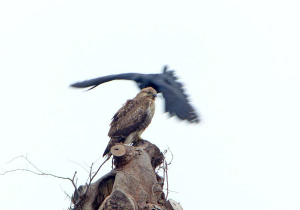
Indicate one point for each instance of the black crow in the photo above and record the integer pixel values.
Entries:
(176, 101)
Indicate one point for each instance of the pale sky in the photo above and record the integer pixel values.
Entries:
(239, 61)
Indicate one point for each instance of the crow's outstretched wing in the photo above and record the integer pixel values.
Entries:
(176, 101)
(100, 80)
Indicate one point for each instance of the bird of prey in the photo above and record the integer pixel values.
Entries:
(176, 101)
(132, 119)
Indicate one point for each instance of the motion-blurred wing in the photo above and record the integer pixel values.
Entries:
(177, 103)
(171, 79)
(100, 80)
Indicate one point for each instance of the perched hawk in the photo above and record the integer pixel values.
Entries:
(176, 101)
(132, 119)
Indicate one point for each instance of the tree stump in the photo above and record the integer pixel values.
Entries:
(131, 185)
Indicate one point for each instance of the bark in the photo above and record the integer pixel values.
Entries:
(131, 185)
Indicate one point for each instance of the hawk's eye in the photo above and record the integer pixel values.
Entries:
(149, 92)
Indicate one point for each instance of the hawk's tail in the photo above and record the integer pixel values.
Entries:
(107, 150)
(112, 142)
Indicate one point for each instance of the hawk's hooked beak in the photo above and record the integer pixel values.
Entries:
(155, 95)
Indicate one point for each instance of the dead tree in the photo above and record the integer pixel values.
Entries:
(131, 185)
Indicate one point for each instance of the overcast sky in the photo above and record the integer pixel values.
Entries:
(239, 61)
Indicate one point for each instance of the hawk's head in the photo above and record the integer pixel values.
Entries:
(148, 92)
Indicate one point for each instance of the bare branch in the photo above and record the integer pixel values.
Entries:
(167, 179)
(171, 190)
(32, 164)
(41, 173)
(67, 195)
(172, 156)
(99, 169)
(79, 165)
(86, 164)
(14, 159)
(90, 174)
(74, 184)
(98, 159)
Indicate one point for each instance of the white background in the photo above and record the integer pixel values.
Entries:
(239, 61)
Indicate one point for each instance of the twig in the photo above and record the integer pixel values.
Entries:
(73, 180)
(167, 179)
(171, 190)
(98, 159)
(165, 170)
(14, 159)
(41, 173)
(32, 164)
(90, 173)
(98, 170)
(171, 158)
(79, 165)
(86, 164)
(67, 195)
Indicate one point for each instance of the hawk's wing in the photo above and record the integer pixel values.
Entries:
(100, 80)
(128, 118)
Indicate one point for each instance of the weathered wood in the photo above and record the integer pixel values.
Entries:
(119, 200)
(154, 153)
(118, 150)
(132, 184)
(173, 205)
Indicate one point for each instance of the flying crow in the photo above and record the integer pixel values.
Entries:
(176, 101)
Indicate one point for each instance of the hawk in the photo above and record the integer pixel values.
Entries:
(132, 119)
(176, 101)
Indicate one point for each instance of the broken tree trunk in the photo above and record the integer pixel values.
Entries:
(131, 185)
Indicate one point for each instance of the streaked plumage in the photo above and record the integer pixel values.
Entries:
(176, 101)
(132, 119)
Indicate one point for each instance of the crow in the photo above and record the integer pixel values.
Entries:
(176, 101)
